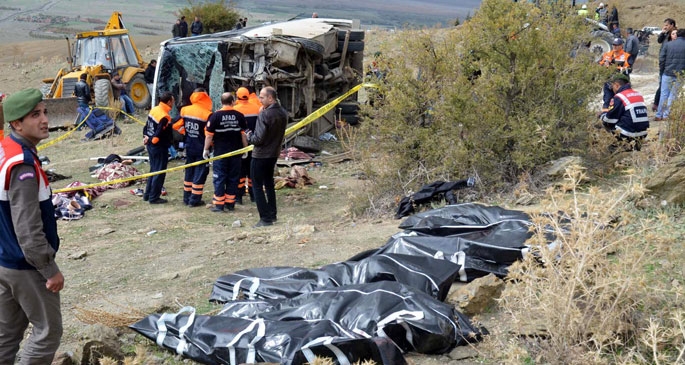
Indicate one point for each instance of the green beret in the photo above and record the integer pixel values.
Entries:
(620, 76)
(19, 104)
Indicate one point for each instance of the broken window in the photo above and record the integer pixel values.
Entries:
(185, 67)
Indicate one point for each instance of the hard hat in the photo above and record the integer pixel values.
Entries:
(601, 5)
(617, 42)
(583, 6)
(242, 93)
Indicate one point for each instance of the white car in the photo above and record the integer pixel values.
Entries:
(652, 30)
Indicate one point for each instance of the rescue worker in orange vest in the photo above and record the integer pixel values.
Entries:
(193, 122)
(627, 115)
(250, 111)
(618, 58)
(157, 137)
(254, 99)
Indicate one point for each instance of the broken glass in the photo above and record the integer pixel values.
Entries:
(185, 67)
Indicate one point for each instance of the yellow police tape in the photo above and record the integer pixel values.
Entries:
(304, 122)
(73, 130)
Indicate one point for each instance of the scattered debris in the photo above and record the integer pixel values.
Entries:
(78, 255)
(304, 229)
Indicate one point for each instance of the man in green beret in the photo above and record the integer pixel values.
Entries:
(30, 280)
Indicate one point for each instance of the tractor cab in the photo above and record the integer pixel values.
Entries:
(113, 52)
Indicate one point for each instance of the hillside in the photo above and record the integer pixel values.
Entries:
(24, 20)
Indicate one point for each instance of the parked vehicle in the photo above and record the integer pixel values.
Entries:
(97, 53)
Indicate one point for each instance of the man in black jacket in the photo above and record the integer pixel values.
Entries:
(267, 139)
(196, 27)
(627, 115)
(150, 75)
(183, 27)
(671, 65)
(82, 91)
(663, 38)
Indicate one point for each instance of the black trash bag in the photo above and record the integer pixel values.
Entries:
(437, 190)
(413, 320)
(461, 218)
(429, 275)
(225, 340)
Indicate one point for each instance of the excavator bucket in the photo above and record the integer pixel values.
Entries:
(62, 112)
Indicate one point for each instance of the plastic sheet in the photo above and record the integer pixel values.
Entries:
(225, 340)
(429, 275)
(414, 321)
(461, 218)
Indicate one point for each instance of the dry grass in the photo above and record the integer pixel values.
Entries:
(593, 298)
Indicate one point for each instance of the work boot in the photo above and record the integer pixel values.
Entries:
(217, 209)
(230, 206)
(262, 223)
(158, 201)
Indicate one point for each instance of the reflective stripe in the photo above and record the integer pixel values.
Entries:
(631, 134)
(328, 342)
(399, 318)
(261, 329)
(253, 287)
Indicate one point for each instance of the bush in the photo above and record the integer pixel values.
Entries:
(216, 16)
(495, 97)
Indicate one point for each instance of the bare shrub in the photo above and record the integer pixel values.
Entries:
(591, 298)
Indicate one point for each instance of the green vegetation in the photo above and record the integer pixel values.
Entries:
(216, 16)
(494, 98)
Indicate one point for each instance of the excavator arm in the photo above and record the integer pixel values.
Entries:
(115, 21)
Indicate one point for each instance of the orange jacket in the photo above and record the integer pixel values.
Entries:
(618, 58)
(250, 110)
(254, 99)
(193, 121)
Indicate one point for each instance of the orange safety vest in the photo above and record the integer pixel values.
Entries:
(618, 58)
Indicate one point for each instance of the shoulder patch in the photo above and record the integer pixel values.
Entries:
(26, 176)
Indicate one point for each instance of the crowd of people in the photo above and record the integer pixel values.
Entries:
(180, 28)
(242, 120)
(624, 111)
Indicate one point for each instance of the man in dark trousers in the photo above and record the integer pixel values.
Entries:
(82, 91)
(196, 27)
(150, 75)
(226, 131)
(627, 115)
(176, 29)
(30, 280)
(250, 111)
(194, 118)
(183, 27)
(157, 136)
(632, 46)
(267, 139)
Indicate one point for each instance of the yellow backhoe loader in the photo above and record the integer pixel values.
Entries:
(99, 54)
